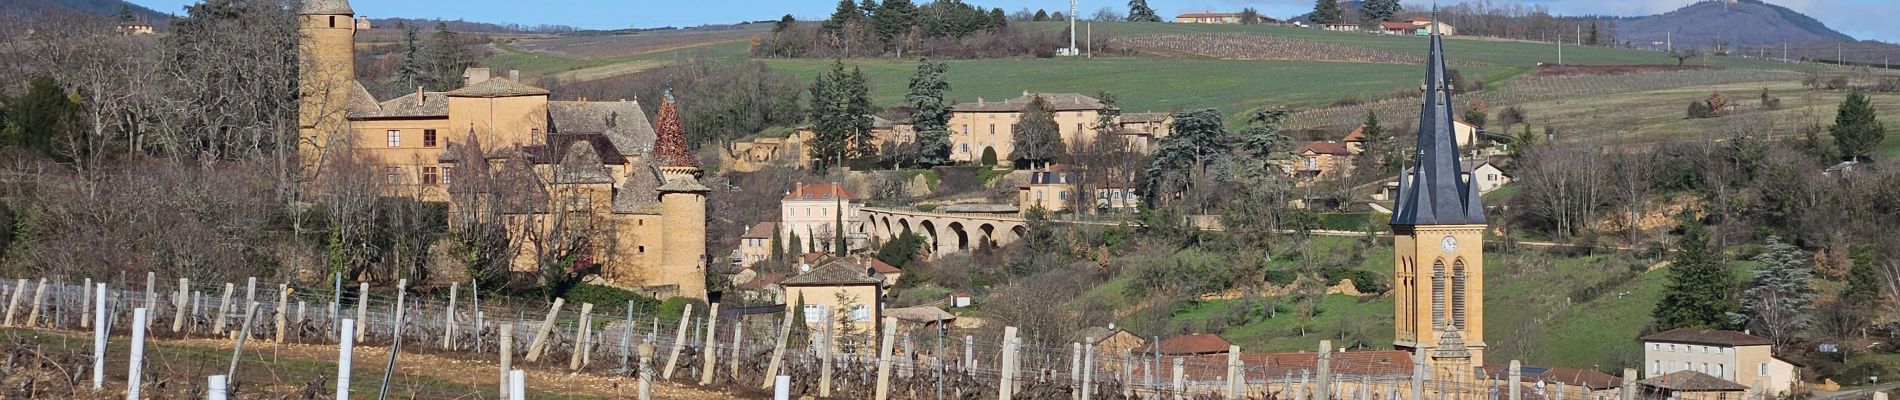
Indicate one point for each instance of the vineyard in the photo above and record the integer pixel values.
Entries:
(1534, 89)
(598, 47)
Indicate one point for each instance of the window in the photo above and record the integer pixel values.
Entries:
(1078, 126)
(1761, 369)
(333, 21)
(428, 175)
(1656, 368)
(643, 249)
(1721, 371)
(428, 138)
(393, 174)
(1063, 195)
(966, 147)
(860, 312)
(815, 312)
(447, 173)
(395, 138)
(992, 129)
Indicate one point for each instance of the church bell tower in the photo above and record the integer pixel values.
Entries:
(1438, 234)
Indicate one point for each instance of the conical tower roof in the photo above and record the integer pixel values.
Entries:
(669, 147)
(326, 7)
(1435, 194)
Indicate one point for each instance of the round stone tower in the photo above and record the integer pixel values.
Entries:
(327, 70)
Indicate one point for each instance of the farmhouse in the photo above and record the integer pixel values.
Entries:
(591, 178)
(989, 126)
(841, 293)
(757, 244)
(1417, 26)
(1322, 160)
(1724, 355)
(1208, 18)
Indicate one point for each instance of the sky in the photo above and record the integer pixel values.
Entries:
(1862, 19)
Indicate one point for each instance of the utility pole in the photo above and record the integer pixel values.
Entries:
(1560, 51)
(1670, 41)
(1072, 27)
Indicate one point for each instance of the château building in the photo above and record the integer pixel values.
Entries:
(568, 181)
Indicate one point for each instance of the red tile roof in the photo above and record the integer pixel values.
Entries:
(1196, 344)
(1691, 381)
(1398, 25)
(762, 230)
(1325, 147)
(1266, 366)
(1708, 337)
(819, 191)
(882, 267)
(1588, 378)
(1357, 135)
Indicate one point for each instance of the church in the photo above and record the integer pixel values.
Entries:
(572, 183)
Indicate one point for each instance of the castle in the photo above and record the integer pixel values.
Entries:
(571, 183)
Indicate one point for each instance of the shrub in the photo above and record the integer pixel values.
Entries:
(989, 156)
(1699, 109)
(671, 309)
(607, 298)
(1281, 277)
(1836, 83)
(926, 207)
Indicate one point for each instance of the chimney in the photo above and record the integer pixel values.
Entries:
(514, 75)
(472, 76)
(979, 100)
(419, 94)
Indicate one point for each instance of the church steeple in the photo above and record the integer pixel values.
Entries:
(1436, 195)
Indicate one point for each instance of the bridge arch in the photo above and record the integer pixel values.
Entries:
(962, 236)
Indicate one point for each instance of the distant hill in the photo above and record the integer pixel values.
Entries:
(467, 26)
(31, 10)
(1738, 23)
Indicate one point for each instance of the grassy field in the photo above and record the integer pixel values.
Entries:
(534, 65)
(1652, 116)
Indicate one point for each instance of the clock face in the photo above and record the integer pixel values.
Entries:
(1449, 244)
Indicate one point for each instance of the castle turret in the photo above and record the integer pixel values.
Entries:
(682, 206)
(327, 71)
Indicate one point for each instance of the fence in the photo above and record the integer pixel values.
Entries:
(282, 342)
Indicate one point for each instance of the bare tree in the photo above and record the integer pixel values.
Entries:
(1563, 187)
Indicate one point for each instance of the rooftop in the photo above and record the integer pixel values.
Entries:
(1203, 343)
(498, 87)
(326, 7)
(1057, 101)
(1691, 381)
(1708, 337)
(762, 230)
(819, 191)
(920, 314)
(836, 272)
(1324, 147)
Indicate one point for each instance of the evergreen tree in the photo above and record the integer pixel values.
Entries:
(801, 330)
(42, 118)
(1592, 39)
(1779, 295)
(1138, 11)
(1377, 153)
(796, 247)
(847, 12)
(930, 114)
(1857, 131)
(901, 250)
(125, 13)
(778, 245)
(1380, 10)
(868, 8)
(839, 242)
(409, 71)
(1036, 139)
(998, 19)
(1701, 290)
(858, 104)
(893, 20)
(1200, 145)
(1863, 281)
(1326, 12)
(785, 22)
(840, 117)
(1040, 248)
(1041, 15)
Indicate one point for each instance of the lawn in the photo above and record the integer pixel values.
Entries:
(1142, 83)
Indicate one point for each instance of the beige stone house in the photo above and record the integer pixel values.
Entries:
(562, 175)
(1728, 355)
(842, 293)
(1691, 385)
(990, 125)
(1322, 160)
(756, 244)
(1208, 18)
(812, 212)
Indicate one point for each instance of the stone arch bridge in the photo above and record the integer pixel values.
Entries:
(944, 233)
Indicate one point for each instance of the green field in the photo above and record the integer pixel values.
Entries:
(538, 64)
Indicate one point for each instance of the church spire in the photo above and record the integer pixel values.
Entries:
(1436, 195)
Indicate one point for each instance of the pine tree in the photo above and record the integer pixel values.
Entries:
(125, 13)
(1138, 11)
(1780, 293)
(1040, 246)
(1863, 280)
(930, 114)
(893, 20)
(778, 246)
(796, 248)
(839, 242)
(42, 119)
(1592, 40)
(801, 330)
(447, 56)
(1036, 138)
(1857, 131)
(1380, 10)
(840, 117)
(1326, 12)
(1701, 291)
(998, 19)
(858, 106)
(409, 71)
(847, 12)
(1041, 15)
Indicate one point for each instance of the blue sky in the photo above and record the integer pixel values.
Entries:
(1863, 19)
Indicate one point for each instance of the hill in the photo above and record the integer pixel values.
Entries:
(467, 26)
(30, 10)
(1741, 23)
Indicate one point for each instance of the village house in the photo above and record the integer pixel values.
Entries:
(989, 126)
(1737, 357)
(756, 244)
(580, 176)
(1208, 18)
(1465, 134)
(1417, 26)
(1048, 189)
(753, 154)
(1690, 385)
(812, 212)
(1322, 160)
(841, 293)
(1142, 132)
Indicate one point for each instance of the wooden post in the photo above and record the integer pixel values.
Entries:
(679, 343)
(824, 353)
(250, 298)
(1075, 370)
(1128, 375)
(1516, 376)
(738, 332)
(507, 352)
(85, 304)
(151, 297)
(135, 368)
(1878, 395)
(184, 297)
(1088, 368)
(301, 307)
(884, 359)
(448, 318)
(362, 310)
(1233, 372)
(1365, 387)
(581, 338)
(283, 310)
(224, 311)
(197, 300)
(778, 346)
(1006, 386)
(646, 367)
(710, 351)
(1323, 389)
(541, 333)
(1629, 384)
(969, 354)
(1560, 391)
(1180, 379)
(39, 302)
(14, 304)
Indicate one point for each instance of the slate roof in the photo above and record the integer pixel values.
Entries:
(1129, 118)
(327, 7)
(498, 87)
(433, 104)
(361, 102)
(1708, 337)
(1691, 381)
(640, 193)
(1057, 101)
(1324, 147)
(837, 272)
(580, 162)
(623, 122)
(1437, 195)
(1099, 333)
(561, 145)
(920, 314)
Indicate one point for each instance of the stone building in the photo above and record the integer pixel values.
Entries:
(581, 182)
(813, 212)
(991, 125)
(1738, 357)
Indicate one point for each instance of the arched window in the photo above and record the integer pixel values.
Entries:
(1458, 294)
(1438, 295)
